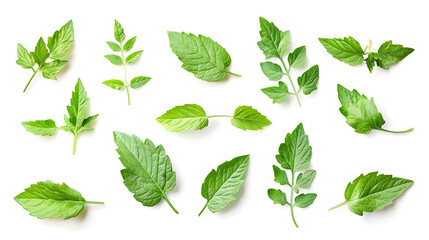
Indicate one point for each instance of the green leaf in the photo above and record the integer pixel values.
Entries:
(272, 70)
(373, 192)
(25, 59)
(361, 112)
(129, 44)
(278, 94)
(133, 57)
(51, 200)
(247, 118)
(304, 180)
(51, 68)
(119, 32)
(278, 196)
(87, 123)
(148, 172)
(392, 53)
(115, 47)
(347, 50)
(40, 53)
(183, 118)
(115, 59)
(305, 200)
(139, 81)
(221, 185)
(274, 42)
(59, 44)
(295, 153)
(280, 176)
(202, 56)
(370, 61)
(78, 106)
(297, 58)
(41, 127)
(308, 80)
(114, 84)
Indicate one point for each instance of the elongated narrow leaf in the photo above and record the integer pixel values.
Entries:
(272, 70)
(40, 53)
(59, 44)
(278, 196)
(391, 54)
(115, 59)
(183, 118)
(119, 32)
(297, 58)
(278, 94)
(305, 200)
(139, 81)
(148, 172)
(129, 44)
(309, 79)
(200, 55)
(41, 127)
(347, 50)
(133, 57)
(115, 47)
(78, 105)
(114, 84)
(247, 118)
(221, 185)
(25, 59)
(373, 192)
(274, 42)
(51, 200)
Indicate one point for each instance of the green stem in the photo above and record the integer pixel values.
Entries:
(339, 205)
(404, 131)
(125, 75)
(204, 208)
(237, 75)
(369, 47)
(91, 202)
(169, 203)
(213, 116)
(290, 79)
(291, 199)
(74, 144)
(26, 86)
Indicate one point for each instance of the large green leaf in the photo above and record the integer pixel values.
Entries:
(247, 118)
(347, 50)
(221, 185)
(41, 127)
(391, 54)
(59, 44)
(200, 55)
(50, 200)
(274, 42)
(373, 192)
(148, 172)
(183, 118)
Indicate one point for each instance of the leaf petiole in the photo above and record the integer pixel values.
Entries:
(339, 205)
(74, 143)
(91, 202)
(237, 75)
(213, 116)
(404, 131)
(291, 204)
(204, 208)
(169, 203)
(290, 79)
(34, 74)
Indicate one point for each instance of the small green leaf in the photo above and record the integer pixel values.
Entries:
(308, 80)
(183, 118)
(115, 47)
(370, 61)
(51, 68)
(304, 180)
(278, 94)
(119, 32)
(280, 176)
(60, 43)
(272, 70)
(129, 44)
(41, 127)
(139, 81)
(87, 124)
(115, 59)
(278, 196)
(274, 42)
(133, 57)
(392, 53)
(114, 84)
(305, 200)
(247, 118)
(40, 53)
(297, 58)
(347, 50)
(25, 59)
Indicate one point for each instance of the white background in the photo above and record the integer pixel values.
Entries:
(339, 154)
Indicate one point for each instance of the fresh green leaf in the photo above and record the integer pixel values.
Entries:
(370, 61)
(129, 44)
(280, 176)
(200, 55)
(183, 118)
(115, 59)
(273, 71)
(25, 59)
(392, 53)
(304, 180)
(115, 47)
(148, 172)
(51, 200)
(41, 127)
(278, 94)
(373, 192)
(59, 44)
(40, 53)
(274, 42)
(114, 84)
(51, 68)
(247, 118)
(133, 57)
(221, 185)
(308, 80)
(347, 50)
(297, 58)
(278, 196)
(305, 200)
(119, 32)
(139, 81)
